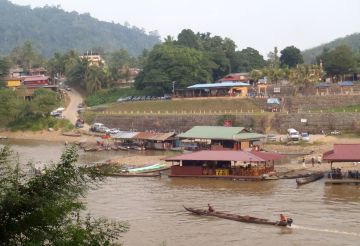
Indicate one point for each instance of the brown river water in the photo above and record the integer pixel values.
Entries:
(323, 215)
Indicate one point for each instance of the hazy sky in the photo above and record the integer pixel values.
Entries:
(261, 24)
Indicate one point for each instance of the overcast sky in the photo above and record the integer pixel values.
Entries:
(261, 24)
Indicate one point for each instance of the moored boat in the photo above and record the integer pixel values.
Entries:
(311, 178)
(240, 218)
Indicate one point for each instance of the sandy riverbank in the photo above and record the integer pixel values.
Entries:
(55, 136)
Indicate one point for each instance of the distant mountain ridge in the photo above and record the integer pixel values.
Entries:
(353, 41)
(51, 30)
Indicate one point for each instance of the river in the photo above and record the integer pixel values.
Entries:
(323, 215)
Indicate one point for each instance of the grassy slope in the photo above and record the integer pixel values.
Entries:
(188, 105)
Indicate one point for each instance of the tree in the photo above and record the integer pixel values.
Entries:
(45, 209)
(117, 62)
(291, 56)
(25, 56)
(189, 39)
(95, 79)
(248, 59)
(4, 70)
(169, 62)
(4, 67)
(43, 102)
(339, 61)
(273, 58)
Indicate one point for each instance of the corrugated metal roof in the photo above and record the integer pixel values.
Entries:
(346, 83)
(218, 85)
(323, 85)
(156, 136)
(125, 135)
(220, 155)
(343, 153)
(212, 132)
(248, 136)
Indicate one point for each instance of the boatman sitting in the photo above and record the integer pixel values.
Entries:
(210, 210)
(283, 218)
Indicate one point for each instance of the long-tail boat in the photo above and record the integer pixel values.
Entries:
(313, 177)
(240, 218)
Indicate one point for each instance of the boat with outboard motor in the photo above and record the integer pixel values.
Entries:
(240, 218)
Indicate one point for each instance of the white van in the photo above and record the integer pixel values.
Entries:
(293, 135)
(96, 126)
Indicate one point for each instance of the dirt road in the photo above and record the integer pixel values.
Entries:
(70, 112)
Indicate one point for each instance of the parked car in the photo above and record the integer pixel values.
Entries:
(271, 138)
(335, 132)
(79, 123)
(95, 127)
(81, 110)
(113, 131)
(293, 135)
(103, 129)
(67, 88)
(305, 136)
(55, 113)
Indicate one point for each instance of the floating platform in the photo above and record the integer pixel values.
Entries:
(343, 181)
(228, 177)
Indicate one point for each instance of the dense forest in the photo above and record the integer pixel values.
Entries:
(51, 29)
(353, 41)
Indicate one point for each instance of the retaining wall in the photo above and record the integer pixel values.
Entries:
(279, 122)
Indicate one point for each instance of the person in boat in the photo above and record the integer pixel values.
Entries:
(210, 209)
(283, 218)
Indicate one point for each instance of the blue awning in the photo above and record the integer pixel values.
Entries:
(346, 83)
(218, 85)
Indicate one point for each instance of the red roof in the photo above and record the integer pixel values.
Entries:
(235, 77)
(343, 153)
(35, 78)
(224, 155)
(269, 156)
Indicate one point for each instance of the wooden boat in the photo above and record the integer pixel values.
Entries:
(311, 178)
(296, 176)
(71, 134)
(133, 175)
(240, 218)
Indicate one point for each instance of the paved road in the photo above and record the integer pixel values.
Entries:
(70, 112)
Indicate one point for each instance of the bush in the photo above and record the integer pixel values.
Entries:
(38, 123)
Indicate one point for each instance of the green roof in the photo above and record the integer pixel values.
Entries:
(212, 132)
(248, 136)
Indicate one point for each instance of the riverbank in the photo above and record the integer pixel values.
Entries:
(53, 136)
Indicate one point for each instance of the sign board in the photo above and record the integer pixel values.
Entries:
(276, 89)
(303, 120)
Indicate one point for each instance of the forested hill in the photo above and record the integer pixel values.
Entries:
(352, 41)
(51, 29)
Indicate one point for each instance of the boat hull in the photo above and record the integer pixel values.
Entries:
(245, 219)
(311, 178)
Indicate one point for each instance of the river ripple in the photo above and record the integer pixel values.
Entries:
(323, 215)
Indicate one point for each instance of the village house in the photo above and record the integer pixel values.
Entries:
(219, 138)
(94, 59)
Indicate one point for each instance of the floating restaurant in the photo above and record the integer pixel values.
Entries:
(219, 138)
(225, 164)
(343, 153)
